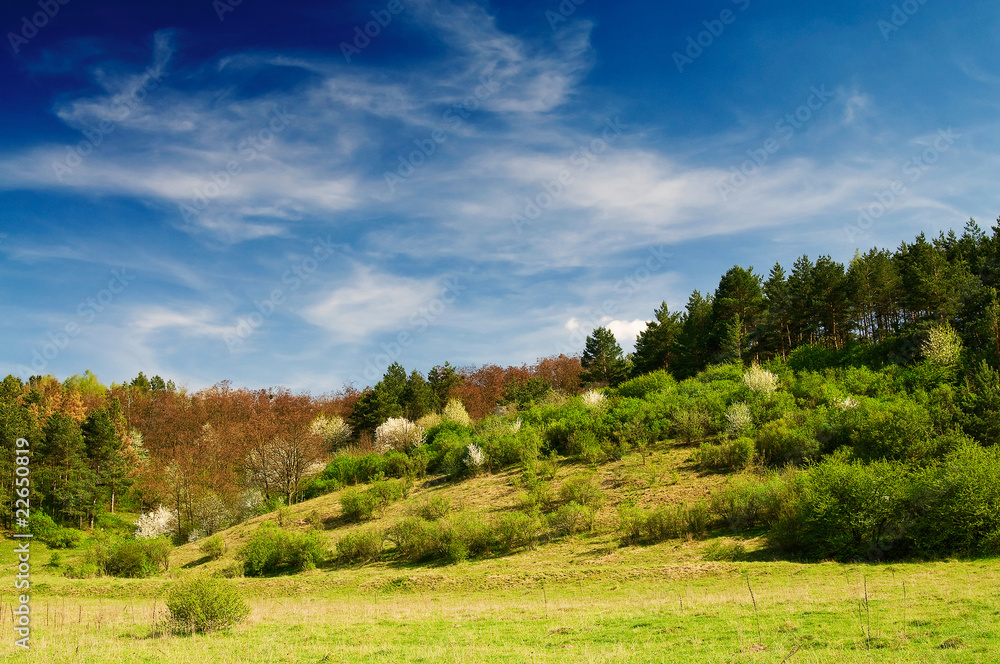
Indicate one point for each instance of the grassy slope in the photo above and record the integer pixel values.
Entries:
(576, 599)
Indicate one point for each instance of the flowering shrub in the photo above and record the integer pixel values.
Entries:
(157, 523)
(943, 346)
(760, 380)
(847, 403)
(455, 412)
(593, 398)
(398, 433)
(738, 419)
(474, 457)
(335, 432)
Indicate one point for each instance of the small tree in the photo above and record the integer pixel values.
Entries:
(603, 361)
(943, 346)
(203, 605)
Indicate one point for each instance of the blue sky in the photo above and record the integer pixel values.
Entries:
(263, 193)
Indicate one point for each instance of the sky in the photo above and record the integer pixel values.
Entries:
(301, 193)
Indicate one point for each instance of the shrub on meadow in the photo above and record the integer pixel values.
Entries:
(361, 546)
(205, 604)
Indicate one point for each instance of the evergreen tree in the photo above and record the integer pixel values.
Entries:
(603, 361)
(443, 381)
(773, 335)
(692, 348)
(655, 346)
(738, 297)
(418, 398)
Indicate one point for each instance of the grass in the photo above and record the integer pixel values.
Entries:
(576, 599)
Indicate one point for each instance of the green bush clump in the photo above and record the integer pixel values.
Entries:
(787, 441)
(847, 510)
(55, 536)
(655, 381)
(516, 530)
(733, 454)
(213, 547)
(583, 490)
(434, 508)
(272, 549)
(129, 558)
(347, 469)
(638, 526)
(895, 428)
(507, 444)
(205, 604)
(363, 546)
(748, 502)
(359, 505)
(570, 519)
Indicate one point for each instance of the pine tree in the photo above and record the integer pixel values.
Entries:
(603, 360)
(655, 346)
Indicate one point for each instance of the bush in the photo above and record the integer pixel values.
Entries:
(203, 605)
(213, 547)
(571, 519)
(434, 509)
(454, 411)
(847, 511)
(129, 558)
(363, 546)
(738, 419)
(156, 523)
(272, 549)
(515, 530)
(896, 428)
(786, 441)
(690, 424)
(760, 380)
(583, 490)
(358, 505)
(729, 455)
(415, 540)
(655, 381)
(636, 526)
(335, 432)
(398, 433)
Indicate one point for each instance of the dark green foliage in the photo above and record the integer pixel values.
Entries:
(603, 361)
(656, 346)
(525, 393)
(272, 549)
(895, 428)
(847, 510)
(44, 528)
(347, 469)
(204, 605)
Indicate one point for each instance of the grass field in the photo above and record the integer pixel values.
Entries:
(578, 599)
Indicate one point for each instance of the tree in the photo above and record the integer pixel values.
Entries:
(443, 381)
(418, 398)
(103, 457)
(738, 297)
(692, 342)
(772, 335)
(603, 361)
(655, 346)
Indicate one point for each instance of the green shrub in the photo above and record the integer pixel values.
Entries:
(128, 558)
(357, 505)
(362, 546)
(204, 604)
(957, 504)
(433, 509)
(583, 490)
(571, 519)
(663, 523)
(585, 444)
(213, 547)
(516, 530)
(895, 428)
(690, 424)
(786, 441)
(271, 549)
(55, 536)
(476, 535)
(847, 510)
(728, 551)
(728, 455)
(655, 381)
(415, 540)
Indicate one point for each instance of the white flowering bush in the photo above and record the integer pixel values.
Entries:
(474, 457)
(738, 419)
(398, 433)
(760, 380)
(252, 503)
(157, 523)
(847, 403)
(335, 432)
(943, 346)
(454, 411)
(593, 398)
